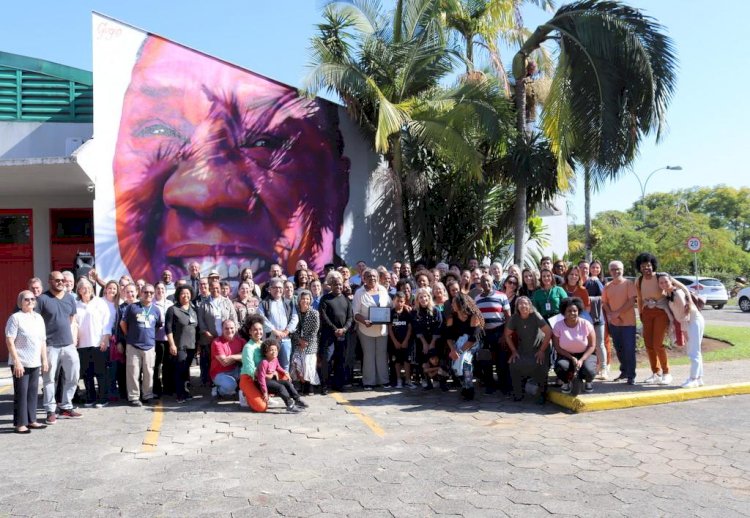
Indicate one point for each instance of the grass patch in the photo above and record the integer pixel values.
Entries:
(739, 337)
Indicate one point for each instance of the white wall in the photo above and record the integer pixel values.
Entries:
(40, 206)
(40, 139)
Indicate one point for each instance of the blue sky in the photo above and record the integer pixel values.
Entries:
(708, 121)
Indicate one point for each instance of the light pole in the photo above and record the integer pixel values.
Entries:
(644, 183)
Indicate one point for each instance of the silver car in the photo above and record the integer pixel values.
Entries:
(709, 289)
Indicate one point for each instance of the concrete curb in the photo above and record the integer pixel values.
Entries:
(584, 403)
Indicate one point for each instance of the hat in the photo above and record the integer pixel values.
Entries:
(214, 273)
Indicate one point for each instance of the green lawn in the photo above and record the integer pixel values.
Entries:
(739, 337)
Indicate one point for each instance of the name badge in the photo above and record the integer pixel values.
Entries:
(147, 323)
(192, 321)
(548, 307)
(141, 318)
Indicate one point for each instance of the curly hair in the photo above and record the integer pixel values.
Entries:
(267, 344)
(646, 257)
(467, 305)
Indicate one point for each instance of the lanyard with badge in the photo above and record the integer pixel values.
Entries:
(548, 304)
(143, 317)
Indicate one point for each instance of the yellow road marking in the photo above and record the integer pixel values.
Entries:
(151, 439)
(369, 422)
(5, 389)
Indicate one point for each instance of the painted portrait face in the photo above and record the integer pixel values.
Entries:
(218, 166)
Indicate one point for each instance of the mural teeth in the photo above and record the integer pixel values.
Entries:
(254, 264)
(234, 270)
(222, 268)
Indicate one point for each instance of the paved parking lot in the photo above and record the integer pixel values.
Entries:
(390, 453)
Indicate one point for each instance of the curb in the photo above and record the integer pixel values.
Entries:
(579, 404)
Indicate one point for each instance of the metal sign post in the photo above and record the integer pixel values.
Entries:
(694, 244)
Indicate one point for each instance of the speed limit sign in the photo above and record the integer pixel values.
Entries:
(694, 244)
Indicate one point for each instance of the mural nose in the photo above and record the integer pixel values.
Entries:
(205, 190)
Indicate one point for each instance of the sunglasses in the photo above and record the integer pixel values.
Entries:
(29, 299)
(148, 292)
(58, 280)
(511, 282)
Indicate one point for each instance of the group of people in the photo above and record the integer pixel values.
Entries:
(300, 334)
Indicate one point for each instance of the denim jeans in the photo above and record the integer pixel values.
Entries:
(285, 353)
(623, 338)
(67, 358)
(226, 382)
(694, 333)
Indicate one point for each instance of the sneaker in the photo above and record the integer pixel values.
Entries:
(301, 403)
(292, 409)
(135, 403)
(89, 405)
(690, 383)
(666, 379)
(70, 414)
(101, 404)
(588, 387)
(424, 383)
(565, 388)
(410, 385)
(51, 418)
(367, 387)
(599, 375)
(621, 377)
(275, 402)
(654, 379)
(214, 392)
(700, 382)
(399, 384)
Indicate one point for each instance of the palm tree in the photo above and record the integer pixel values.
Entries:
(387, 69)
(614, 78)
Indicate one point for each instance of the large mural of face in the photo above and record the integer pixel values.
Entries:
(220, 166)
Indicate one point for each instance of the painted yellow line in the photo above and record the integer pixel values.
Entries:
(656, 397)
(151, 439)
(369, 422)
(5, 389)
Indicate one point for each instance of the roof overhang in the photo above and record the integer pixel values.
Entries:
(53, 176)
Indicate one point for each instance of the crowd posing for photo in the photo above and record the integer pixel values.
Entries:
(406, 326)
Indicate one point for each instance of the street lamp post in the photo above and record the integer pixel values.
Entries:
(644, 183)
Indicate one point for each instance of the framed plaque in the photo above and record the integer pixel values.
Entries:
(378, 315)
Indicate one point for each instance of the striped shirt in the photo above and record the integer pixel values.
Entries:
(493, 308)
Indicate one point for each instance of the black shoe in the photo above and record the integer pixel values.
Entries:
(444, 386)
(621, 377)
(135, 403)
(300, 403)
(517, 398)
(324, 391)
(631, 381)
(541, 398)
(293, 409)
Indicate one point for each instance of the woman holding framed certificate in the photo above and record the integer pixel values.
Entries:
(371, 307)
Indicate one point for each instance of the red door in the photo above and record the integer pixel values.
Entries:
(16, 262)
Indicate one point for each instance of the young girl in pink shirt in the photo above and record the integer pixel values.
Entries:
(269, 378)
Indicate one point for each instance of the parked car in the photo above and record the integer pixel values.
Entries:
(743, 299)
(709, 289)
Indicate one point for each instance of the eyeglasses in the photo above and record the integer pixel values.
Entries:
(29, 299)
(511, 282)
(147, 292)
(61, 279)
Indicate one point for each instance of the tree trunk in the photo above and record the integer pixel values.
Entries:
(519, 211)
(397, 166)
(587, 211)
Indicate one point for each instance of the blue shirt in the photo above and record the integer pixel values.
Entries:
(142, 323)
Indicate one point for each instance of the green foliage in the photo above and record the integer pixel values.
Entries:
(663, 226)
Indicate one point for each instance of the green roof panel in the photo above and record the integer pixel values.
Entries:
(38, 90)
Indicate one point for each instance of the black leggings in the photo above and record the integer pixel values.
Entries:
(284, 389)
(25, 396)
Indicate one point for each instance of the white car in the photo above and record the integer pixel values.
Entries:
(743, 299)
(709, 289)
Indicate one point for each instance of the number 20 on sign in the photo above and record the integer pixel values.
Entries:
(694, 244)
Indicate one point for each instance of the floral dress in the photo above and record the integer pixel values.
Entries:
(305, 361)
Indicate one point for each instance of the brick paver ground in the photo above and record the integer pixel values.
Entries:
(437, 456)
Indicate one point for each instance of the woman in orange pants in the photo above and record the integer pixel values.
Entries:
(652, 308)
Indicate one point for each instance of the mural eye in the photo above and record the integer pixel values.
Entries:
(159, 130)
(262, 142)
